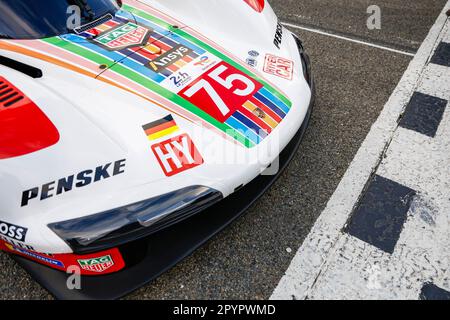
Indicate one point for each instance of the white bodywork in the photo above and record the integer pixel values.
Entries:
(99, 124)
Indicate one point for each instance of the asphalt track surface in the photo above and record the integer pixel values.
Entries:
(353, 82)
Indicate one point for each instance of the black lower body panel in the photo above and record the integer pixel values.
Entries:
(159, 252)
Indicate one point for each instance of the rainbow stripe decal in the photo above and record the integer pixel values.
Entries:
(146, 55)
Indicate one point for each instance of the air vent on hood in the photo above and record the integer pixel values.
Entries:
(21, 67)
(24, 128)
(9, 96)
(93, 24)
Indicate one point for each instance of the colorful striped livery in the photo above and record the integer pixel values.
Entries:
(259, 116)
(143, 53)
(160, 128)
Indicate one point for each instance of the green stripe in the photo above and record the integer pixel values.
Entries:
(136, 77)
(207, 47)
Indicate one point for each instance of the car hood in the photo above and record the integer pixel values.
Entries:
(116, 102)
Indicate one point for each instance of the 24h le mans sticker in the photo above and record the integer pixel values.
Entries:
(98, 265)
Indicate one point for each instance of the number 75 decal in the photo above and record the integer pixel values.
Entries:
(221, 91)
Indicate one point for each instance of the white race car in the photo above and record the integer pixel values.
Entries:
(133, 131)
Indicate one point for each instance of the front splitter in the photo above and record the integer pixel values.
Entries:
(166, 248)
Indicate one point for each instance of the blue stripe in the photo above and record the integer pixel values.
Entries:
(275, 100)
(86, 34)
(166, 40)
(193, 55)
(270, 105)
(123, 16)
(243, 129)
(250, 124)
(135, 56)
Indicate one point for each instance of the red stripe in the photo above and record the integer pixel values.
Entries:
(172, 68)
(187, 59)
(266, 109)
(93, 32)
(255, 119)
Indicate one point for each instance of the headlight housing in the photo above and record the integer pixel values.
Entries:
(122, 225)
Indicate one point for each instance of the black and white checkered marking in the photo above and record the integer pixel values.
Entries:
(424, 114)
(385, 233)
(442, 55)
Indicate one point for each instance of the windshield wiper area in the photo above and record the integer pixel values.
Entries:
(93, 24)
(4, 36)
(87, 11)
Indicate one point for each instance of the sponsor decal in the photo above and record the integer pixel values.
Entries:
(189, 73)
(75, 181)
(12, 231)
(123, 36)
(253, 53)
(171, 57)
(278, 40)
(221, 91)
(105, 262)
(280, 67)
(252, 62)
(97, 265)
(160, 128)
(15, 243)
(177, 155)
(203, 61)
(36, 256)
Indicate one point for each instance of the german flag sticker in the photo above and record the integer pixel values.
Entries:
(160, 128)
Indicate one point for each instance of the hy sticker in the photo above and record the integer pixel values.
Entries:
(177, 155)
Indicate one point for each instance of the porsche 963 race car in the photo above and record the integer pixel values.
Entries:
(131, 132)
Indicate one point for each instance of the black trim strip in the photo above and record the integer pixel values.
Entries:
(21, 67)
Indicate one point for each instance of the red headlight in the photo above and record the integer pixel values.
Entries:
(24, 128)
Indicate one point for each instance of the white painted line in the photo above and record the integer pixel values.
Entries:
(358, 270)
(347, 39)
(326, 237)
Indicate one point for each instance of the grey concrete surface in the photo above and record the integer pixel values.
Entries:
(353, 81)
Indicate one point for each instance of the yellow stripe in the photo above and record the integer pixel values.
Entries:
(153, 49)
(163, 133)
(267, 119)
(153, 65)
